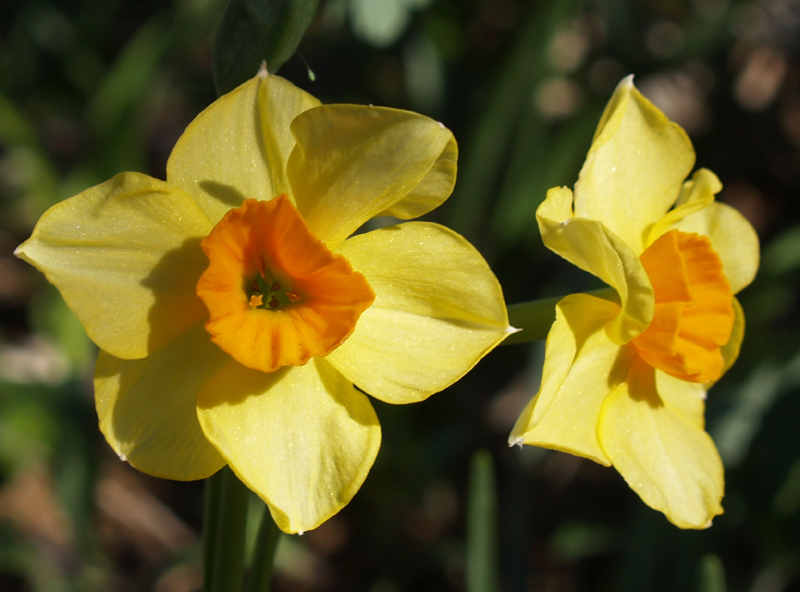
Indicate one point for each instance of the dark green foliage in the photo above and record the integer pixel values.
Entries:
(255, 31)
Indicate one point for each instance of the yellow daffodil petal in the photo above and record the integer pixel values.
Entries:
(635, 167)
(438, 310)
(433, 190)
(302, 438)
(148, 408)
(581, 368)
(125, 255)
(686, 398)
(237, 148)
(730, 351)
(664, 455)
(594, 248)
(734, 239)
(352, 163)
(697, 194)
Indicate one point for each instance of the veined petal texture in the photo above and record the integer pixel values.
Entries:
(148, 408)
(590, 245)
(303, 438)
(237, 148)
(734, 239)
(353, 163)
(635, 167)
(668, 459)
(438, 310)
(126, 256)
(581, 368)
(697, 194)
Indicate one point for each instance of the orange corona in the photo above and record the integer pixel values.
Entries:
(693, 314)
(276, 295)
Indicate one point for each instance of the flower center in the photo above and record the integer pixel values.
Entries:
(275, 294)
(264, 291)
(693, 314)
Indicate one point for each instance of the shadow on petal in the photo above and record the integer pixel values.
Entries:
(233, 384)
(147, 407)
(173, 282)
(242, 383)
(642, 384)
(621, 368)
(226, 194)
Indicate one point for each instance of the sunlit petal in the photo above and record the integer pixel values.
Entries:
(125, 255)
(432, 191)
(697, 194)
(664, 455)
(635, 167)
(302, 438)
(734, 239)
(438, 310)
(237, 148)
(685, 398)
(353, 162)
(581, 368)
(148, 408)
(592, 247)
(730, 351)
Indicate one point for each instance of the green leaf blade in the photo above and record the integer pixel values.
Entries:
(254, 31)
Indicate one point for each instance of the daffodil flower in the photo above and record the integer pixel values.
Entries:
(239, 318)
(625, 377)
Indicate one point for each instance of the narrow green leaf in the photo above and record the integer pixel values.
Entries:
(712, 574)
(264, 554)
(211, 520)
(127, 80)
(253, 31)
(224, 537)
(482, 525)
(558, 150)
(486, 153)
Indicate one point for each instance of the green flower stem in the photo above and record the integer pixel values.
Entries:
(210, 523)
(264, 554)
(482, 525)
(224, 537)
(535, 317)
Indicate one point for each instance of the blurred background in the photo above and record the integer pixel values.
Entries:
(89, 88)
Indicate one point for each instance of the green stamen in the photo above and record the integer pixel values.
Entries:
(263, 291)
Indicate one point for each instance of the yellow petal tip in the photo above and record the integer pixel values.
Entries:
(262, 69)
(512, 441)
